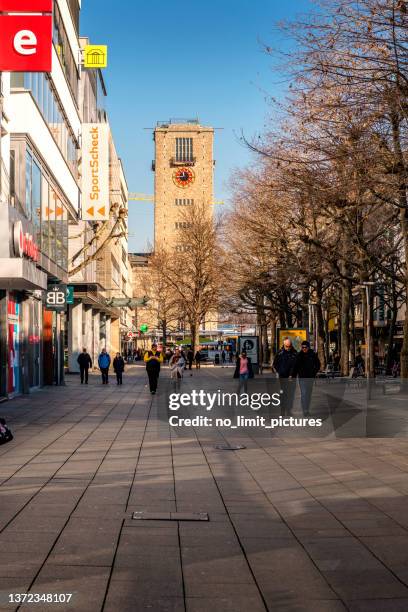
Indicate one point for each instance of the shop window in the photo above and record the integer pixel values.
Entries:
(36, 200)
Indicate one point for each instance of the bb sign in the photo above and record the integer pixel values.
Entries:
(56, 297)
(25, 40)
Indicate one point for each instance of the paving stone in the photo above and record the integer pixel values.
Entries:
(312, 515)
(225, 604)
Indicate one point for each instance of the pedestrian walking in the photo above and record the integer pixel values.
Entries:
(197, 359)
(153, 359)
(85, 362)
(306, 368)
(119, 367)
(104, 362)
(359, 366)
(177, 365)
(168, 355)
(243, 371)
(223, 358)
(284, 364)
(231, 355)
(190, 358)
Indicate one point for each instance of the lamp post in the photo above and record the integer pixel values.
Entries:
(368, 285)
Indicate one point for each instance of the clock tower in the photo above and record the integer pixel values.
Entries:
(183, 167)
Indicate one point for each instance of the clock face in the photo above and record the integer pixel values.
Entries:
(183, 177)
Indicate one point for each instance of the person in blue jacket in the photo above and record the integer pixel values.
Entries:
(104, 362)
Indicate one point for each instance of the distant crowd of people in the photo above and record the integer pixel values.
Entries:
(288, 364)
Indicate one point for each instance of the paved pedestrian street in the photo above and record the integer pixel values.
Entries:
(304, 524)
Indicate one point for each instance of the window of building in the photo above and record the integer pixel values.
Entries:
(45, 209)
(50, 107)
(184, 149)
(116, 276)
(182, 225)
(64, 52)
(184, 202)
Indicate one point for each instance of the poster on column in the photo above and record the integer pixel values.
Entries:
(95, 172)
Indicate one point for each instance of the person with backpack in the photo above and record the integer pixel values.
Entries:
(119, 367)
(153, 359)
(85, 362)
(306, 367)
(104, 362)
(283, 365)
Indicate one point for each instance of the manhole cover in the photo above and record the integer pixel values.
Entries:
(141, 515)
(230, 447)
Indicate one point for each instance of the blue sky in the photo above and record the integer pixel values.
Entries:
(185, 59)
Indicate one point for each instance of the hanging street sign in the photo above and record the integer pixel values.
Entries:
(95, 56)
(56, 298)
(70, 294)
(95, 172)
(127, 302)
(26, 40)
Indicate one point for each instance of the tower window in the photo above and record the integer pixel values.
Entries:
(184, 202)
(184, 149)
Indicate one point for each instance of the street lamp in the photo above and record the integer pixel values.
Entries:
(367, 285)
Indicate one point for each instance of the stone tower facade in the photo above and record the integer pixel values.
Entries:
(183, 168)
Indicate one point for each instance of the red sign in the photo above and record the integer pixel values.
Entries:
(24, 243)
(26, 6)
(25, 43)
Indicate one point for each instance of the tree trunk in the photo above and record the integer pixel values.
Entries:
(352, 329)
(345, 328)
(391, 332)
(404, 350)
(164, 332)
(321, 332)
(195, 335)
(273, 340)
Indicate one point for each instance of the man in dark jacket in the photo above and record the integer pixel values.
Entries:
(306, 367)
(119, 367)
(85, 362)
(284, 364)
(190, 358)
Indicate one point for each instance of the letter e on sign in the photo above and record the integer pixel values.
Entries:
(25, 43)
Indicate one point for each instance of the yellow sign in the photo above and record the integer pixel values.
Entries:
(296, 335)
(95, 56)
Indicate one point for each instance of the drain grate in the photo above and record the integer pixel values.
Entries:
(230, 447)
(141, 515)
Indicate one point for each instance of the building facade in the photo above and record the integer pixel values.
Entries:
(98, 251)
(40, 195)
(184, 176)
(184, 170)
(43, 241)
